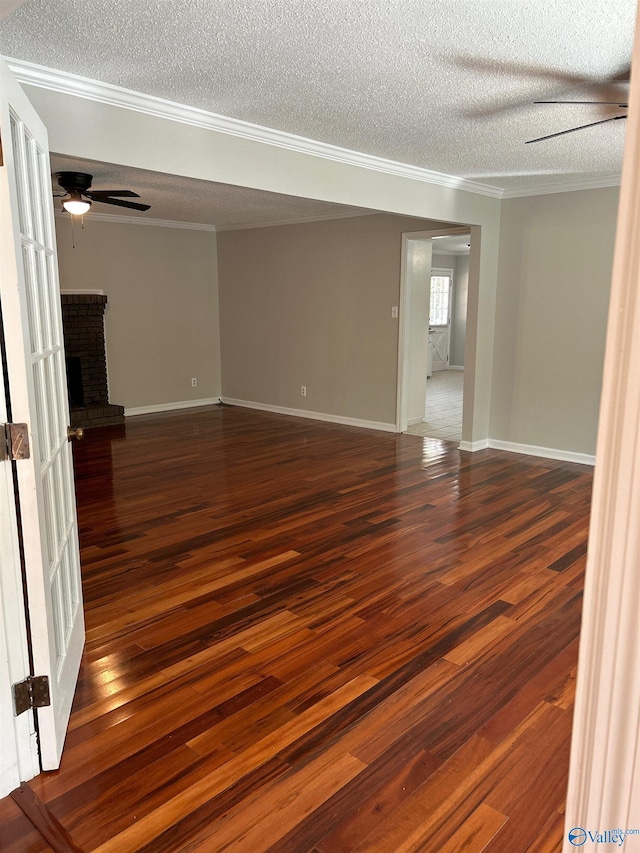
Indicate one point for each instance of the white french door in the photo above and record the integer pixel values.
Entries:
(35, 367)
(440, 318)
(439, 341)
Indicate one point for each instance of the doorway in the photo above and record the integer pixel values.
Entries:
(434, 303)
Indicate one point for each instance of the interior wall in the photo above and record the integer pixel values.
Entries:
(555, 261)
(161, 321)
(310, 304)
(117, 134)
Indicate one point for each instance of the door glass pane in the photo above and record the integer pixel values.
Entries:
(440, 298)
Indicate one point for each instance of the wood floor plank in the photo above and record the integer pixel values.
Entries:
(309, 637)
(476, 832)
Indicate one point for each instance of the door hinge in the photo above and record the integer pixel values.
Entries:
(33, 692)
(14, 441)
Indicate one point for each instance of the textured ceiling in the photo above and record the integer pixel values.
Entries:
(180, 199)
(446, 85)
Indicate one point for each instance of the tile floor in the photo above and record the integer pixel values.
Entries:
(443, 407)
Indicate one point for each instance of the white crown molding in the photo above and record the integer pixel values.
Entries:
(199, 226)
(568, 187)
(134, 220)
(106, 93)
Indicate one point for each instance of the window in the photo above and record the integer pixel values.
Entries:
(440, 305)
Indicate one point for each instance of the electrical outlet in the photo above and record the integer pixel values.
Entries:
(194, 382)
(394, 312)
(303, 390)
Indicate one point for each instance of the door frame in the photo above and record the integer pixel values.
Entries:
(604, 773)
(403, 337)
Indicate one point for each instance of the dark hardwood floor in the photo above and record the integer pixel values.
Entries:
(307, 637)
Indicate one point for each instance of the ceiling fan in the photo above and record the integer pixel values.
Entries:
(621, 106)
(616, 81)
(76, 186)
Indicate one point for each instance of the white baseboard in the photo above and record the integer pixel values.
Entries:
(170, 407)
(528, 450)
(468, 446)
(456, 367)
(545, 452)
(472, 446)
(414, 421)
(315, 416)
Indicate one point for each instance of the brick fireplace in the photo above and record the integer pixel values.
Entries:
(83, 327)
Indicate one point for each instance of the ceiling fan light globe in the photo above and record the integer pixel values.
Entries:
(76, 206)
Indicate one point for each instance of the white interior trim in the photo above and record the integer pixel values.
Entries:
(544, 452)
(563, 187)
(135, 220)
(201, 226)
(170, 407)
(450, 231)
(106, 93)
(473, 446)
(314, 416)
(604, 777)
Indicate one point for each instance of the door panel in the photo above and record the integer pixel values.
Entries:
(30, 296)
(439, 340)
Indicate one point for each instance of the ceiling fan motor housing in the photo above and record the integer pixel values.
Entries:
(74, 181)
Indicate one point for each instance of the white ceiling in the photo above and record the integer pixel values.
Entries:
(456, 244)
(177, 199)
(446, 85)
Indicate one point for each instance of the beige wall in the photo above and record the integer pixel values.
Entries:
(553, 290)
(109, 133)
(310, 304)
(161, 321)
(516, 405)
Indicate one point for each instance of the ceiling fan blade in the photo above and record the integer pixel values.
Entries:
(609, 87)
(603, 103)
(573, 129)
(623, 76)
(130, 204)
(98, 194)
